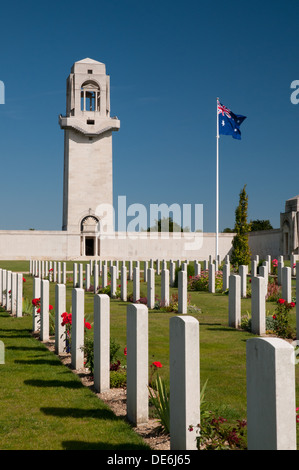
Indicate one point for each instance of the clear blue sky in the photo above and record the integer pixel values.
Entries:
(168, 61)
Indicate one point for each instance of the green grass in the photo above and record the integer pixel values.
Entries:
(44, 406)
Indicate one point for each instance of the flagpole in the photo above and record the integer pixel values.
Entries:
(217, 186)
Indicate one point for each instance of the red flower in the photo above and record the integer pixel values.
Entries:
(24, 280)
(50, 307)
(38, 310)
(87, 325)
(281, 301)
(292, 304)
(157, 364)
(274, 317)
(125, 351)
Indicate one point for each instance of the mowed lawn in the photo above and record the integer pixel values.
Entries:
(43, 404)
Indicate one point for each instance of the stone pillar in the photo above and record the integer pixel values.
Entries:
(263, 271)
(124, 283)
(130, 270)
(87, 276)
(13, 293)
(151, 288)
(3, 293)
(19, 298)
(80, 283)
(158, 267)
(95, 277)
(258, 305)
(280, 265)
(44, 311)
(165, 287)
(136, 284)
(36, 295)
(75, 275)
(286, 281)
(271, 401)
(8, 288)
(113, 281)
(137, 363)
(243, 270)
(145, 268)
(77, 355)
(60, 307)
(104, 275)
(225, 276)
(101, 342)
(212, 278)
(59, 272)
(63, 273)
(172, 273)
(184, 375)
(182, 292)
(234, 301)
(253, 268)
(197, 268)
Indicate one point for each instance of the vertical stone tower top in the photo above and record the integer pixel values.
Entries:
(88, 99)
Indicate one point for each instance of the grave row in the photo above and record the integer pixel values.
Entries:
(270, 370)
(11, 291)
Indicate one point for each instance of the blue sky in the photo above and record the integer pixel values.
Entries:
(168, 61)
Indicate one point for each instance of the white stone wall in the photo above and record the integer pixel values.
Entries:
(140, 245)
(265, 242)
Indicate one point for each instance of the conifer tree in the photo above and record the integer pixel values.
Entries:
(241, 251)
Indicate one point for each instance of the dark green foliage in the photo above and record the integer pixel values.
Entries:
(257, 225)
(241, 251)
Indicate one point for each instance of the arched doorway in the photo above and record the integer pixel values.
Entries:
(89, 236)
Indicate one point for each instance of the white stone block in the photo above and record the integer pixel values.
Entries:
(182, 292)
(44, 311)
(258, 305)
(101, 342)
(60, 308)
(137, 363)
(77, 354)
(184, 375)
(234, 301)
(271, 401)
(151, 288)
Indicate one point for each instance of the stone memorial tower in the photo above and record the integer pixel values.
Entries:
(88, 128)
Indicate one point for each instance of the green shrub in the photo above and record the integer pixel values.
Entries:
(118, 378)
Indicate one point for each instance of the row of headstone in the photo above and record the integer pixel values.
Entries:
(11, 292)
(270, 374)
(259, 285)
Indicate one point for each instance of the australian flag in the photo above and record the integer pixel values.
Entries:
(229, 123)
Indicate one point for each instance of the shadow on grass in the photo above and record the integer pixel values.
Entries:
(49, 362)
(53, 383)
(101, 414)
(8, 333)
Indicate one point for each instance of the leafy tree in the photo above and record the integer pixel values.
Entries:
(257, 225)
(166, 225)
(241, 251)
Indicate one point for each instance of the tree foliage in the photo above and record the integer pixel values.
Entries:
(257, 225)
(241, 251)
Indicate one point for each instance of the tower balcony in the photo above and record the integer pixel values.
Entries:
(89, 126)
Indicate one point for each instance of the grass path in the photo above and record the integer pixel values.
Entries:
(43, 404)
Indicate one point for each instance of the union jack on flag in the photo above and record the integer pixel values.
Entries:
(229, 123)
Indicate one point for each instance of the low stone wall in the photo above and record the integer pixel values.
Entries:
(265, 242)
